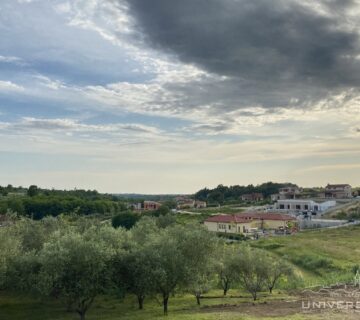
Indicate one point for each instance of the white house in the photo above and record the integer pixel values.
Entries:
(299, 205)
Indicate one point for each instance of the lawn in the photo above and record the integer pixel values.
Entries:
(182, 307)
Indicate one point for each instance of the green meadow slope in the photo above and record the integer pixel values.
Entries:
(321, 256)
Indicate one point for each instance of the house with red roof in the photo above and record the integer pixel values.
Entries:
(246, 222)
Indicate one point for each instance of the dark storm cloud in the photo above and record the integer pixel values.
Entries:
(271, 44)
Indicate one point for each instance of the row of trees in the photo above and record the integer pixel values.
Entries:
(222, 194)
(39, 206)
(78, 262)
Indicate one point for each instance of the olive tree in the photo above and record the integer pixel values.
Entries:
(10, 247)
(252, 272)
(198, 247)
(201, 284)
(276, 269)
(226, 267)
(76, 268)
(176, 254)
(138, 274)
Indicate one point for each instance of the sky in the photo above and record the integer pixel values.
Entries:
(167, 96)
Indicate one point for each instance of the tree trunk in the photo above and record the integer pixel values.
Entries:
(226, 287)
(165, 303)
(198, 299)
(254, 296)
(82, 315)
(69, 306)
(141, 301)
(270, 290)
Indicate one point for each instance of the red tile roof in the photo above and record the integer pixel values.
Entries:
(227, 218)
(249, 216)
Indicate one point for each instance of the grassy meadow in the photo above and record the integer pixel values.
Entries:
(320, 256)
(236, 306)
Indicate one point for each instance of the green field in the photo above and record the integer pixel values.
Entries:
(321, 256)
(331, 252)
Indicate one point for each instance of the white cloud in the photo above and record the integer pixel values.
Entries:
(8, 86)
(12, 59)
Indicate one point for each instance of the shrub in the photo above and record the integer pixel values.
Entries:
(313, 263)
(126, 220)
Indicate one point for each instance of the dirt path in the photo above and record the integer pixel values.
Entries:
(328, 303)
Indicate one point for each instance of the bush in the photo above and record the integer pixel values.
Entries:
(313, 263)
(272, 246)
(126, 220)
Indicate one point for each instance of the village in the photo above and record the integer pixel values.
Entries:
(287, 212)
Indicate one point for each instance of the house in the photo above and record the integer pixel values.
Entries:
(185, 203)
(200, 204)
(338, 191)
(135, 206)
(303, 205)
(246, 222)
(151, 205)
(288, 192)
(252, 197)
(275, 197)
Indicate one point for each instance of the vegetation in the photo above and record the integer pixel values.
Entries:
(39, 203)
(321, 257)
(104, 268)
(223, 194)
(75, 262)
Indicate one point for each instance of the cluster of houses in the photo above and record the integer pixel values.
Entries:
(331, 191)
(283, 217)
(292, 200)
(184, 202)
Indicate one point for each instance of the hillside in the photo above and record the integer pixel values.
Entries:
(321, 256)
(345, 211)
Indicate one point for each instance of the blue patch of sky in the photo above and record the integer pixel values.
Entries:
(12, 108)
(68, 53)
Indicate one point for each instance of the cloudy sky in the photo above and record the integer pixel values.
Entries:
(166, 96)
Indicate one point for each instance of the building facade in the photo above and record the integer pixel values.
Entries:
(299, 205)
(289, 192)
(252, 197)
(338, 191)
(248, 222)
(151, 205)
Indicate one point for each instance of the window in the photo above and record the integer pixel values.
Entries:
(306, 207)
(229, 227)
(282, 206)
(298, 207)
